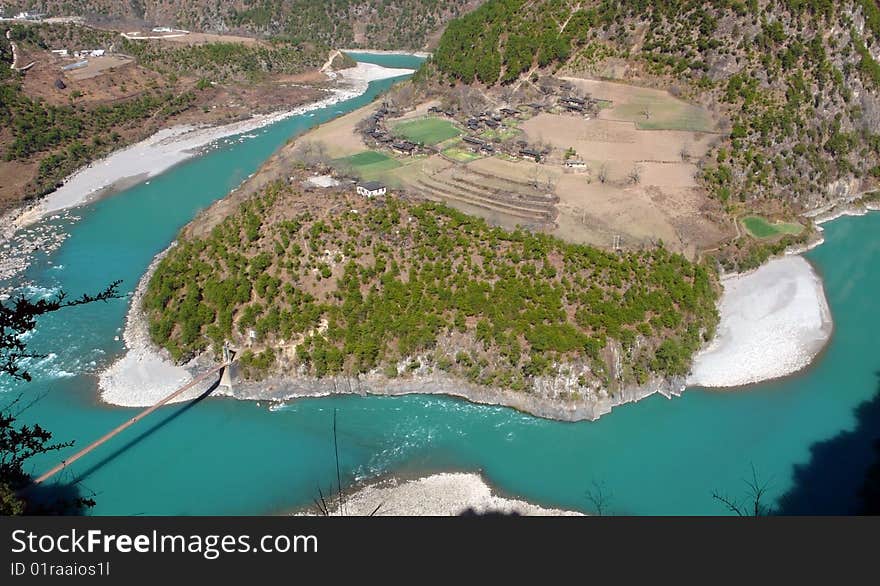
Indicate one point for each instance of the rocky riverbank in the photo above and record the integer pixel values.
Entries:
(449, 494)
(550, 400)
(774, 321)
(144, 375)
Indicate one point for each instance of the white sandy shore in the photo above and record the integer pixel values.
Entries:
(171, 146)
(143, 376)
(774, 321)
(366, 72)
(438, 495)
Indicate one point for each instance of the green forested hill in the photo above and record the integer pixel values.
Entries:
(796, 79)
(345, 285)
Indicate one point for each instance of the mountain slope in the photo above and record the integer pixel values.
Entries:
(797, 80)
(398, 24)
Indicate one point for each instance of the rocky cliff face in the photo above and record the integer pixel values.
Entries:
(550, 398)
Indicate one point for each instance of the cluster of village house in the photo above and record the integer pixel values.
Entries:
(86, 53)
(493, 121)
(33, 17)
(376, 132)
(80, 54)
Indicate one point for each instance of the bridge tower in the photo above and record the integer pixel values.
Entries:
(228, 375)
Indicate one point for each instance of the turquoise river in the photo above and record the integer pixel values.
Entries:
(809, 437)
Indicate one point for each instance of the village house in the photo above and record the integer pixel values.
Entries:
(381, 136)
(371, 189)
(403, 147)
(575, 164)
(531, 154)
(473, 142)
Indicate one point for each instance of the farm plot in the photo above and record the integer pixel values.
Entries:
(647, 108)
(368, 163)
(761, 229)
(426, 130)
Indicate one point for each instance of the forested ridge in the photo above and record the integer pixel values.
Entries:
(64, 137)
(378, 24)
(349, 285)
(797, 80)
(227, 61)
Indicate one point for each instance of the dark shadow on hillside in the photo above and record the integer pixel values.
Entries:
(145, 434)
(843, 474)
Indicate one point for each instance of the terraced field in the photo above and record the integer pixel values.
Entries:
(499, 200)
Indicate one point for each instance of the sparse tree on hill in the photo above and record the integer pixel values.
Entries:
(405, 95)
(684, 153)
(635, 176)
(470, 100)
(312, 153)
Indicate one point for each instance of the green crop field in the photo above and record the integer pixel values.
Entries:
(427, 130)
(760, 228)
(369, 163)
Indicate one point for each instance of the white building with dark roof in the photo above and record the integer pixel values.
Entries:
(371, 189)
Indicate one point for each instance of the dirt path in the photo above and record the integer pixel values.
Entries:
(14, 50)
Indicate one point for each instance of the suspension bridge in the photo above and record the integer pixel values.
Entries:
(225, 380)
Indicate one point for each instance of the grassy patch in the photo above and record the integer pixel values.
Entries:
(503, 133)
(461, 155)
(369, 162)
(760, 228)
(427, 130)
(664, 114)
